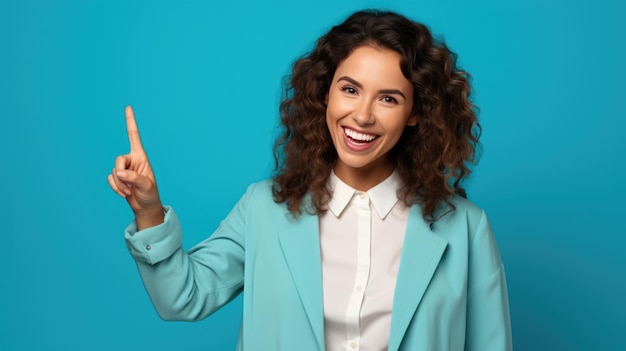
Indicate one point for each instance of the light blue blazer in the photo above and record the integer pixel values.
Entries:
(450, 293)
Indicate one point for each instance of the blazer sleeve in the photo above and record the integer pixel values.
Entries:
(191, 285)
(488, 319)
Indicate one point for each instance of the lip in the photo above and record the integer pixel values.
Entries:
(356, 146)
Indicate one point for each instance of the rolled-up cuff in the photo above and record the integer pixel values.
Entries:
(157, 243)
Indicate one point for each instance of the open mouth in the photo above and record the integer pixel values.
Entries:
(359, 138)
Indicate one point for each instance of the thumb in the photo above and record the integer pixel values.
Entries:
(141, 183)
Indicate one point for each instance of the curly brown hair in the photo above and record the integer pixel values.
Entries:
(431, 158)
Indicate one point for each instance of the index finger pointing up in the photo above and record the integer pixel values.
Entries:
(133, 132)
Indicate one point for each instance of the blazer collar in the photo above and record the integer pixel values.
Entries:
(421, 253)
(300, 245)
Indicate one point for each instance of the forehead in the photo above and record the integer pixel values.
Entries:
(373, 66)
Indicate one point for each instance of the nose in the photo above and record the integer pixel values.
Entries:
(364, 112)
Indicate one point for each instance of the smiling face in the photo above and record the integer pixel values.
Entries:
(369, 104)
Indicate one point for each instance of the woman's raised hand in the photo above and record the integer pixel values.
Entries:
(132, 178)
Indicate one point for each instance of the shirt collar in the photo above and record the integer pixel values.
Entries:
(383, 196)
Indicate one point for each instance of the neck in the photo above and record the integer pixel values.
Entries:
(364, 178)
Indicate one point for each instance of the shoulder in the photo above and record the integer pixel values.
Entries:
(260, 199)
(261, 213)
(458, 208)
(467, 230)
(261, 189)
(465, 205)
(461, 215)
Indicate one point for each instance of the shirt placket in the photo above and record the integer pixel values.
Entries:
(355, 303)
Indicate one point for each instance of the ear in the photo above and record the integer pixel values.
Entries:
(412, 122)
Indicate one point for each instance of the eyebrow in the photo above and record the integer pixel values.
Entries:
(359, 85)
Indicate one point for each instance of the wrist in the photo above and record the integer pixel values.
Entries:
(150, 217)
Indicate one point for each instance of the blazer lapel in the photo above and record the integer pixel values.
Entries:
(421, 252)
(300, 245)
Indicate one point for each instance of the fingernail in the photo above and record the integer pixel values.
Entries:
(121, 174)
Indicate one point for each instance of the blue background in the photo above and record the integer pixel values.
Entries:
(205, 80)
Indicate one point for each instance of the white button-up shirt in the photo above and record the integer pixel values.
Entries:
(361, 240)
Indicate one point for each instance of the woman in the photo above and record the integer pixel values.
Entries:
(363, 239)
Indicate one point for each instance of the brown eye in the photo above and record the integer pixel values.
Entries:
(349, 90)
(390, 99)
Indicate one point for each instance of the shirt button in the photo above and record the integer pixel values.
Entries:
(363, 195)
(353, 344)
(359, 287)
(148, 247)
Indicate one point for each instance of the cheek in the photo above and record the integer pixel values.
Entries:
(330, 125)
(333, 112)
(338, 106)
(394, 123)
(329, 115)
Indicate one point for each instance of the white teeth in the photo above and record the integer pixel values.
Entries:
(359, 136)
